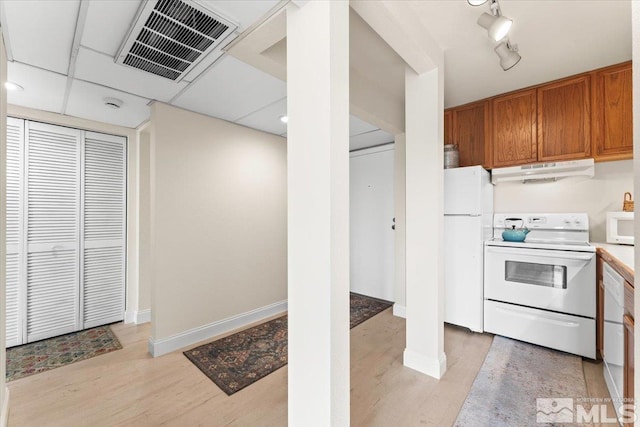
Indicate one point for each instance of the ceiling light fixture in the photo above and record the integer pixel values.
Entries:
(113, 103)
(284, 119)
(508, 54)
(498, 27)
(13, 86)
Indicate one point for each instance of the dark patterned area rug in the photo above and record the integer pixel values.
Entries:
(364, 308)
(239, 360)
(51, 353)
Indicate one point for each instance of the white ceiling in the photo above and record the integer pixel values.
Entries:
(40, 35)
(555, 38)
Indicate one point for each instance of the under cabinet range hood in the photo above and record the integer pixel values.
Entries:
(543, 171)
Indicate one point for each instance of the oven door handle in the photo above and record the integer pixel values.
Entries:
(581, 256)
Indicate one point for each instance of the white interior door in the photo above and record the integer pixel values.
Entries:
(14, 222)
(66, 230)
(53, 225)
(103, 264)
(371, 221)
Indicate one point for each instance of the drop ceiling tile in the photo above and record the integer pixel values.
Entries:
(99, 68)
(43, 90)
(357, 126)
(369, 139)
(41, 32)
(205, 63)
(86, 100)
(231, 90)
(107, 24)
(268, 118)
(244, 13)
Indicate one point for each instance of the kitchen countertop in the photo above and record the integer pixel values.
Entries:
(622, 255)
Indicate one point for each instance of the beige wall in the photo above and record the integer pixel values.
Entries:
(218, 220)
(4, 394)
(144, 278)
(596, 196)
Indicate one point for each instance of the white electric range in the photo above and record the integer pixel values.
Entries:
(543, 290)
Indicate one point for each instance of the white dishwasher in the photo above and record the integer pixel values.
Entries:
(613, 368)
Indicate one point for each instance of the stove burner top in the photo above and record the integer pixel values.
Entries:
(569, 232)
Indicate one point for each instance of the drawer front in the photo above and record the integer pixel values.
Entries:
(563, 332)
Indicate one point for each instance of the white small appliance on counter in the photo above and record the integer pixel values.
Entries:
(468, 212)
(620, 228)
(543, 290)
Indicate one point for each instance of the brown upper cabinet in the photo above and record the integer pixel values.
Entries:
(586, 115)
(612, 119)
(470, 131)
(448, 127)
(564, 120)
(514, 128)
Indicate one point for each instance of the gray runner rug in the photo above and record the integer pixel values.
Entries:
(514, 375)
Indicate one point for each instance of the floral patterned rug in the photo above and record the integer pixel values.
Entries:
(236, 361)
(55, 352)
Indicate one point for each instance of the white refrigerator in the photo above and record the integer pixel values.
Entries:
(468, 217)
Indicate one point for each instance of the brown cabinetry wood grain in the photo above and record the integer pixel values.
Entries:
(470, 132)
(513, 128)
(612, 118)
(448, 127)
(564, 119)
(629, 363)
(586, 115)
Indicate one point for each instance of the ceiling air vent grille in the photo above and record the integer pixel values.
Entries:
(171, 36)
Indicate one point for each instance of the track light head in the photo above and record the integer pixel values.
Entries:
(497, 26)
(508, 55)
(477, 2)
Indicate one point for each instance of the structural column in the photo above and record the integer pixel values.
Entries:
(4, 392)
(318, 212)
(424, 102)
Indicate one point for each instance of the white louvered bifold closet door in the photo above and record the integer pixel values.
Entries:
(103, 266)
(14, 221)
(53, 227)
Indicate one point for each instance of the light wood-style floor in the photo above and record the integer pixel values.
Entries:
(129, 388)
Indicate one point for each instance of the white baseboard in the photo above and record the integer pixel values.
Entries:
(129, 316)
(4, 421)
(137, 316)
(143, 316)
(399, 310)
(434, 367)
(201, 333)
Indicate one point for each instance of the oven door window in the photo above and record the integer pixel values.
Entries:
(549, 275)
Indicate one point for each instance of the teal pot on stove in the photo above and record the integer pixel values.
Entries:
(514, 234)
